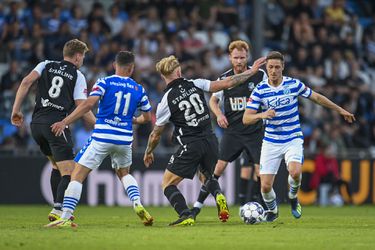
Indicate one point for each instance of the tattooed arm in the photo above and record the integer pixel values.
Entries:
(235, 80)
(153, 141)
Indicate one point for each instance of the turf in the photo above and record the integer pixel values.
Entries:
(21, 227)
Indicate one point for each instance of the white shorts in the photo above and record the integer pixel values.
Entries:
(94, 152)
(272, 154)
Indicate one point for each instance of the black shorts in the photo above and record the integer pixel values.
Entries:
(232, 145)
(199, 155)
(59, 147)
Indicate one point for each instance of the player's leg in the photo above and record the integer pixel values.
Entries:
(270, 159)
(177, 200)
(203, 193)
(269, 196)
(72, 197)
(294, 160)
(253, 148)
(54, 181)
(183, 164)
(209, 150)
(89, 158)
(62, 154)
(121, 162)
(42, 136)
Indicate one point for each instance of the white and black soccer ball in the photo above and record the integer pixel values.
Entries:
(252, 213)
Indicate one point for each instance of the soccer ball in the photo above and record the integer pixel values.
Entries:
(252, 213)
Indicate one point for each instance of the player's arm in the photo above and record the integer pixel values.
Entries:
(215, 107)
(251, 116)
(26, 83)
(89, 116)
(325, 102)
(235, 80)
(153, 141)
(143, 118)
(84, 107)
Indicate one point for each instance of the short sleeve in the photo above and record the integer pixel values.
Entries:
(40, 67)
(203, 84)
(144, 105)
(219, 95)
(303, 90)
(99, 88)
(254, 101)
(80, 89)
(163, 112)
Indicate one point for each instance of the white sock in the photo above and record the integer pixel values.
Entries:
(293, 186)
(270, 200)
(71, 198)
(131, 188)
(198, 204)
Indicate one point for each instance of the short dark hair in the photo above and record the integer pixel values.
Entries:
(275, 55)
(124, 58)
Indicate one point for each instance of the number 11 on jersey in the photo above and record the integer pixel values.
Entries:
(119, 95)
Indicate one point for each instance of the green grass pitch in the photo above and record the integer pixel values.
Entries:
(351, 227)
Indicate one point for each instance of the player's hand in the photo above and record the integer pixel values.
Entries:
(148, 159)
(58, 128)
(17, 118)
(257, 64)
(269, 114)
(349, 117)
(222, 121)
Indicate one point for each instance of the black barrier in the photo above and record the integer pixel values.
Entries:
(25, 180)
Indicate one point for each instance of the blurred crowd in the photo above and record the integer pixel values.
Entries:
(329, 44)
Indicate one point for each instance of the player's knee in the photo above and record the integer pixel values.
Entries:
(295, 174)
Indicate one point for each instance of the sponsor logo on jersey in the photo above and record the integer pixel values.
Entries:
(63, 67)
(61, 73)
(116, 121)
(286, 91)
(46, 103)
(278, 102)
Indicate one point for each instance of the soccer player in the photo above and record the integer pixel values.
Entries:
(283, 138)
(184, 105)
(237, 138)
(119, 97)
(60, 87)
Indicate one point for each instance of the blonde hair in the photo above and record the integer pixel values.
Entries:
(238, 44)
(167, 65)
(73, 47)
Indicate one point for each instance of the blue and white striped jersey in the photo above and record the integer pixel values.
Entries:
(120, 98)
(285, 126)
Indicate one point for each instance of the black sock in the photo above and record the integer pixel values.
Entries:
(64, 182)
(243, 191)
(217, 176)
(177, 200)
(213, 186)
(203, 194)
(54, 181)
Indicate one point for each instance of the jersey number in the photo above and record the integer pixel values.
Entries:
(55, 90)
(194, 101)
(119, 96)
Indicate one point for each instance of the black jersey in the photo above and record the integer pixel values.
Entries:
(185, 106)
(234, 103)
(60, 83)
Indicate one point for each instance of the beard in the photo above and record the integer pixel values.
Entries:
(239, 68)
